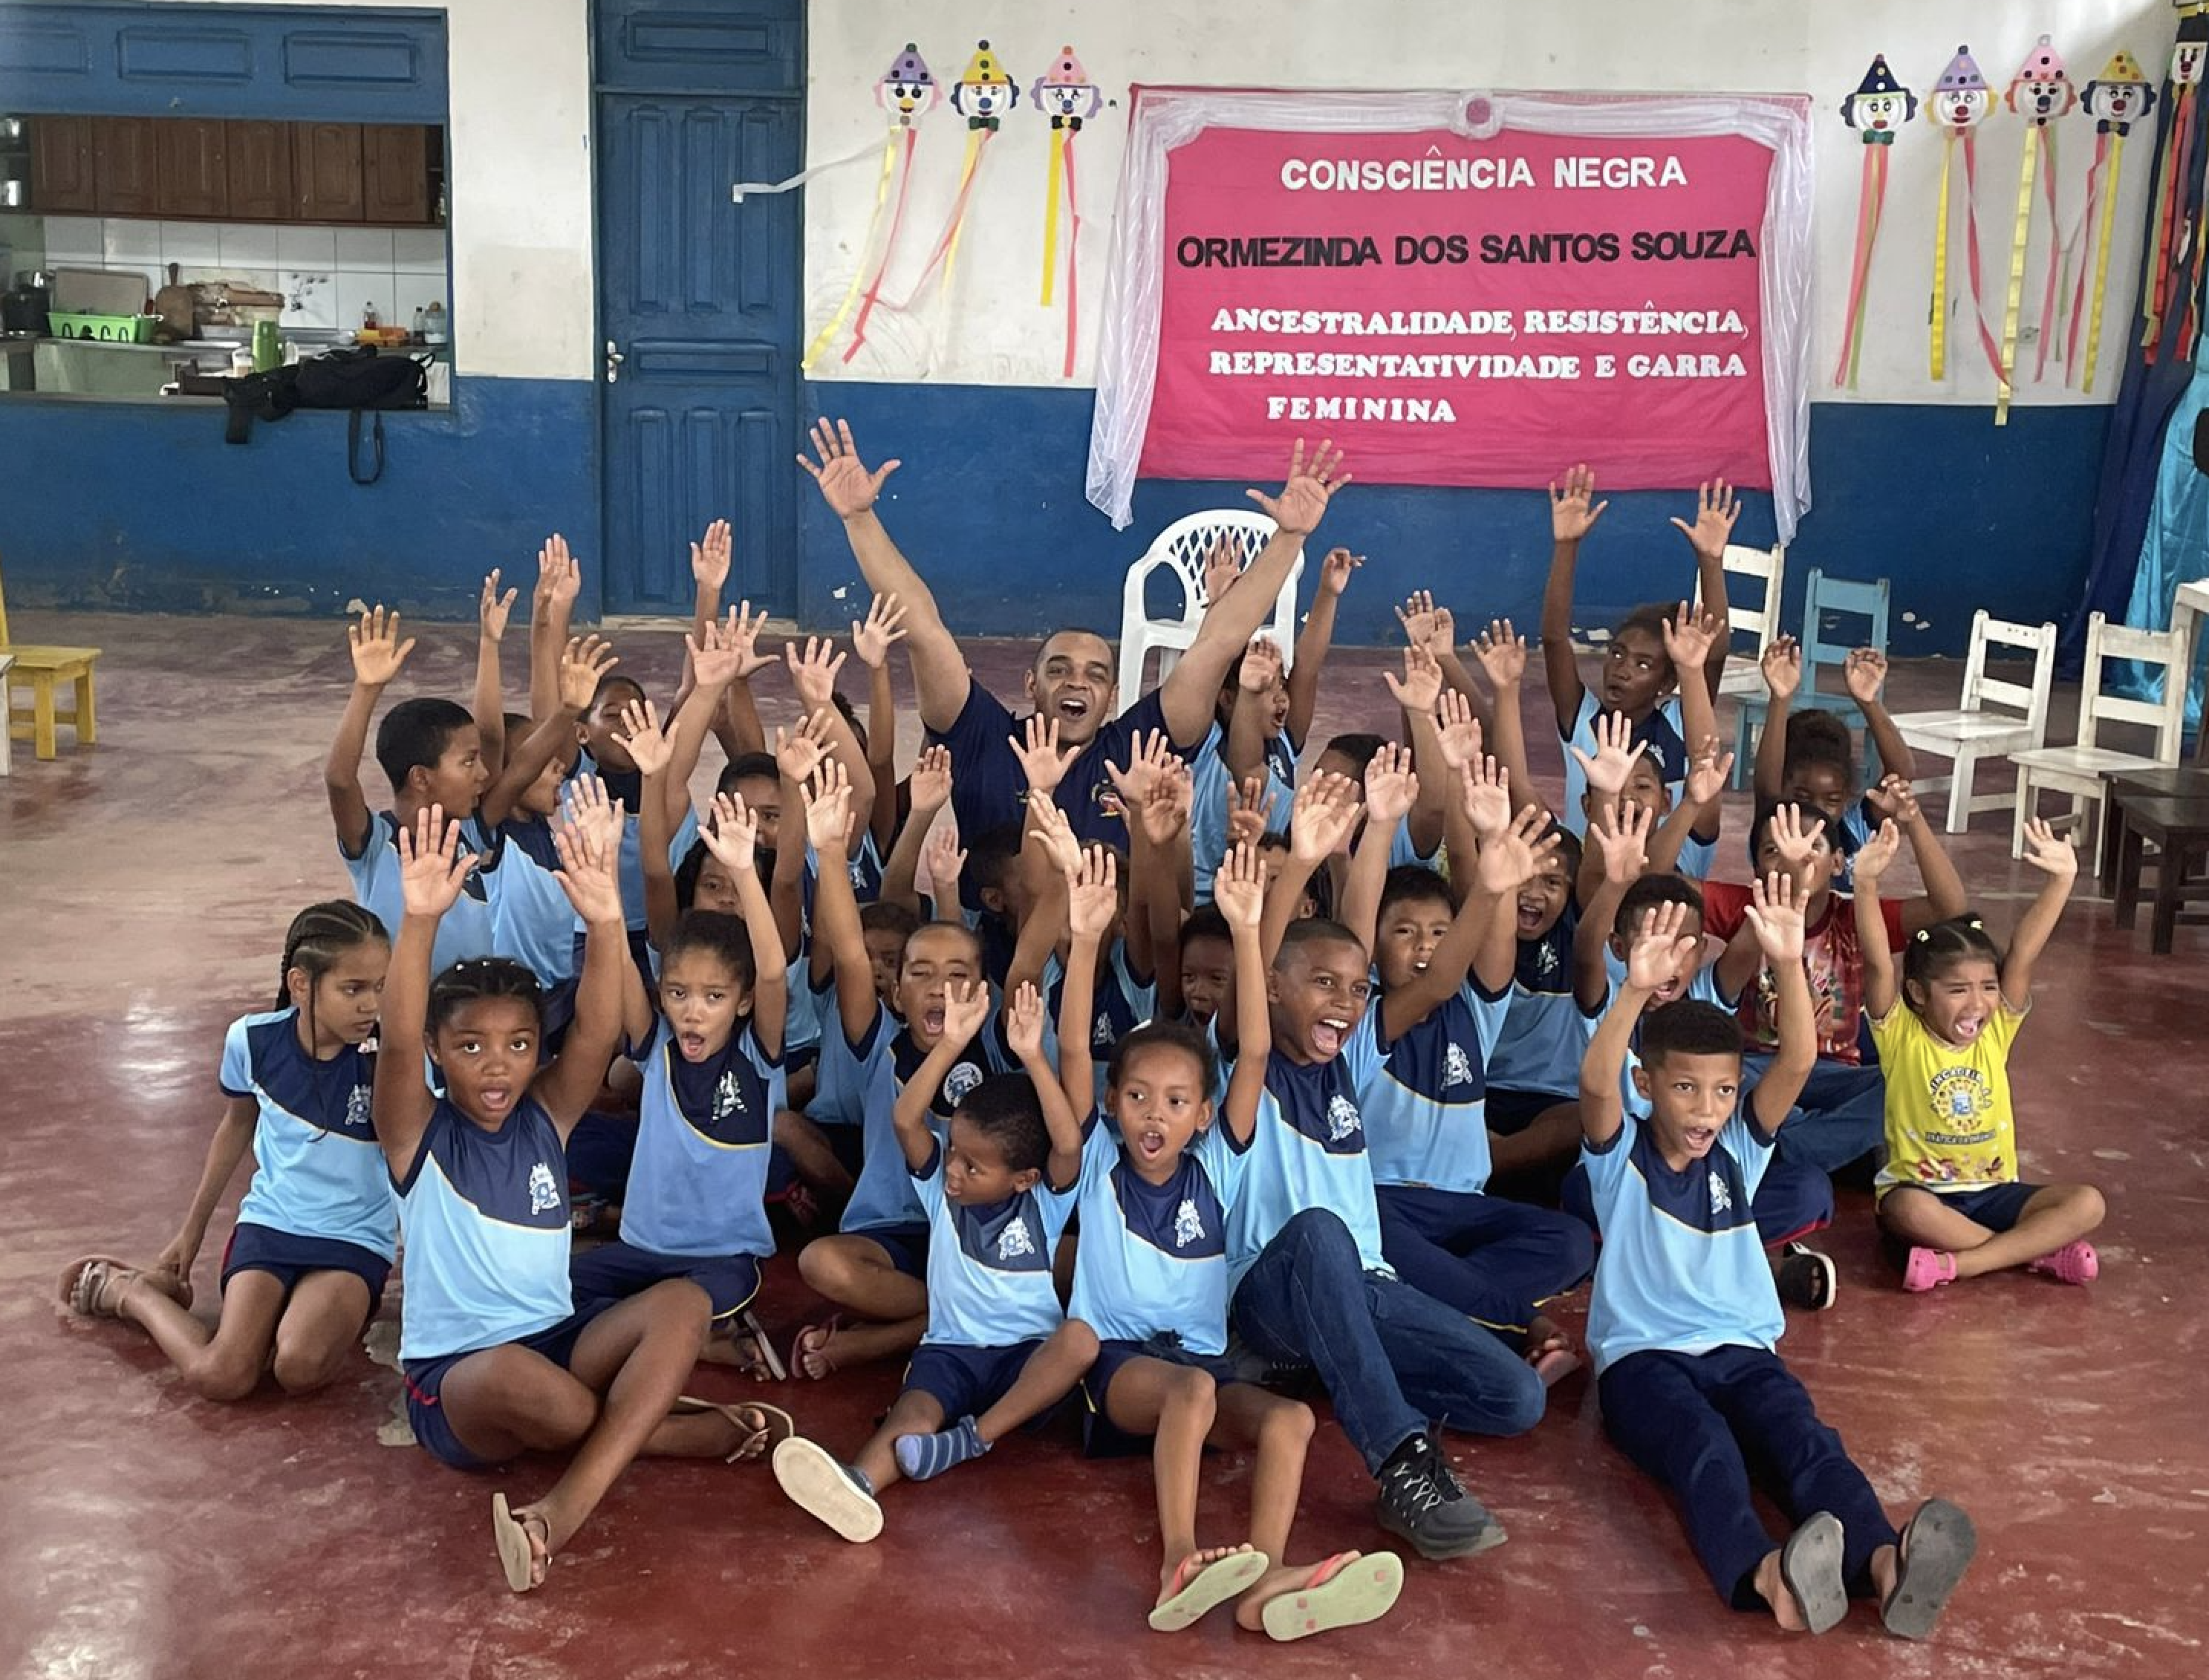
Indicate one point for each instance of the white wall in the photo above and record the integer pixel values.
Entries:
(519, 189)
(995, 330)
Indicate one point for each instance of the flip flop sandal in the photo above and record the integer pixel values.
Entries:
(1937, 1546)
(1810, 1568)
(1195, 1596)
(1555, 1366)
(86, 1281)
(760, 1439)
(822, 1488)
(748, 1324)
(1350, 1588)
(512, 1534)
(824, 1329)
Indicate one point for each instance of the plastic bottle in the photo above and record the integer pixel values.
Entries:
(369, 320)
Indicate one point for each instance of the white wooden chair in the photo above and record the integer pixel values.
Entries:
(2083, 771)
(1180, 549)
(1744, 673)
(1976, 730)
(7, 733)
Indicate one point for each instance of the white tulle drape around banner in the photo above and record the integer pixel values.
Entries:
(1163, 119)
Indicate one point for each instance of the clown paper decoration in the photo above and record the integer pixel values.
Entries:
(2040, 92)
(2117, 98)
(984, 94)
(906, 91)
(1961, 102)
(1879, 107)
(2159, 291)
(1065, 94)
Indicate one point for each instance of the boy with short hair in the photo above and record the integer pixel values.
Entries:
(1311, 1285)
(1684, 1321)
(999, 1187)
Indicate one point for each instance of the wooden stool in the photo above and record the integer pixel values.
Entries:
(2178, 781)
(43, 670)
(2180, 829)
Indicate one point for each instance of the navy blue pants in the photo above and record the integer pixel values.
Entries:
(1493, 1261)
(1792, 1200)
(1704, 1424)
(1392, 1359)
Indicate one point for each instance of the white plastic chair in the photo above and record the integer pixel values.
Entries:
(2083, 771)
(1180, 549)
(1975, 729)
(1745, 675)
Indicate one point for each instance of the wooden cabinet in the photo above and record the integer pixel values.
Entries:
(326, 172)
(257, 158)
(195, 172)
(126, 166)
(395, 174)
(61, 179)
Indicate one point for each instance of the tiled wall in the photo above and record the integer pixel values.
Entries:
(326, 275)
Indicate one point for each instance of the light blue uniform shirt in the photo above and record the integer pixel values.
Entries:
(1702, 988)
(989, 1269)
(864, 1079)
(1544, 1032)
(318, 1169)
(1426, 1103)
(486, 1218)
(464, 933)
(698, 1184)
(1661, 733)
(1309, 1151)
(1152, 1258)
(630, 788)
(530, 918)
(1680, 1267)
(1209, 784)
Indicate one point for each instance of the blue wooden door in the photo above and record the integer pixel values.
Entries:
(699, 298)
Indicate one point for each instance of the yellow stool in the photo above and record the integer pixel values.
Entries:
(40, 669)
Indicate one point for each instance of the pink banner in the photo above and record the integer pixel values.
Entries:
(1454, 311)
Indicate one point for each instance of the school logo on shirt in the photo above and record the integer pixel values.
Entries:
(960, 1083)
(544, 1193)
(1721, 1197)
(1013, 1243)
(358, 1109)
(1188, 1224)
(1341, 1118)
(1457, 1067)
(1961, 1093)
(858, 876)
(1100, 1035)
(728, 1098)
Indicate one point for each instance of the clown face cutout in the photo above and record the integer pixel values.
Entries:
(2042, 91)
(1064, 92)
(2120, 96)
(2188, 57)
(985, 92)
(1880, 105)
(906, 90)
(1962, 100)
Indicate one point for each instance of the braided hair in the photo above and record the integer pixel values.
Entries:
(1931, 951)
(482, 977)
(318, 936)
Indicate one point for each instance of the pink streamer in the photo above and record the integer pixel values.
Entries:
(2055, 286)
(1073, 261)
(1868, 199)
(2094, 189)
(1987, 342)
(889, 245)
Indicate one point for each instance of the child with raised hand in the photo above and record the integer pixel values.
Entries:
(872, 638)
(496, 1359)
(431, 751)
(1684, 1323)
(998, 1187)
(1949, 1193)
(1809, 757)
(710, 1048)
(1158, 1175)
(1684, 835)
(1310, 1283)
(316, 1231)
(1445, 972)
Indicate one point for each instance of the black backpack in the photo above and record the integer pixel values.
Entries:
(354, 378)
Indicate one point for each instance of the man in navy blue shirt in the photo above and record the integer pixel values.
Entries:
(1071, 682)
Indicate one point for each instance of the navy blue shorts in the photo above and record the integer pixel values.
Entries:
(906, 1244)
(1998, 1207)
(425, 1381)
(1102, 1438)
(287, 1258)
(966, 1382)
(615, 1271)
(1510, 1112)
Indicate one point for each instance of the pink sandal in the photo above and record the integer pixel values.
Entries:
(1927, 1268)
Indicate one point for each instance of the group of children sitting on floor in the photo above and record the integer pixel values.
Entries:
(1189, 1084)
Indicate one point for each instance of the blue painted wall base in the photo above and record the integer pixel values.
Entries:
(142, 506)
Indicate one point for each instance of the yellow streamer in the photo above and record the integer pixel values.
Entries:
(1051, 215)
(2016, 301)
(1941, 264)
(859, 269)
(2102, 256)
(974, 139)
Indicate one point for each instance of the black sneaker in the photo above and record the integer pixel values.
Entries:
(1422, 1502)
(1806, 1278)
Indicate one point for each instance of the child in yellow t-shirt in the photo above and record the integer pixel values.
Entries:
(1950, 1190)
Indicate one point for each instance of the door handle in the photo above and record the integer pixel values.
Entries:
(614, 360)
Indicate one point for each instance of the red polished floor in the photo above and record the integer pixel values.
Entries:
(144, 886)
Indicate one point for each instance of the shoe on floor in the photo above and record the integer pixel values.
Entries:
(1423, 1502)
(2074, 1262)
(1927, 1268)
(1807, 1279)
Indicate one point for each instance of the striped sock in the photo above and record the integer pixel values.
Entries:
(921, 1456)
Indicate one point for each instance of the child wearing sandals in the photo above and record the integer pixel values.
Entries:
(1684, 1320)
(496, 1359)
(1157, 1177)
(1949, 1195)
(998, 1189)
(316, 1230)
